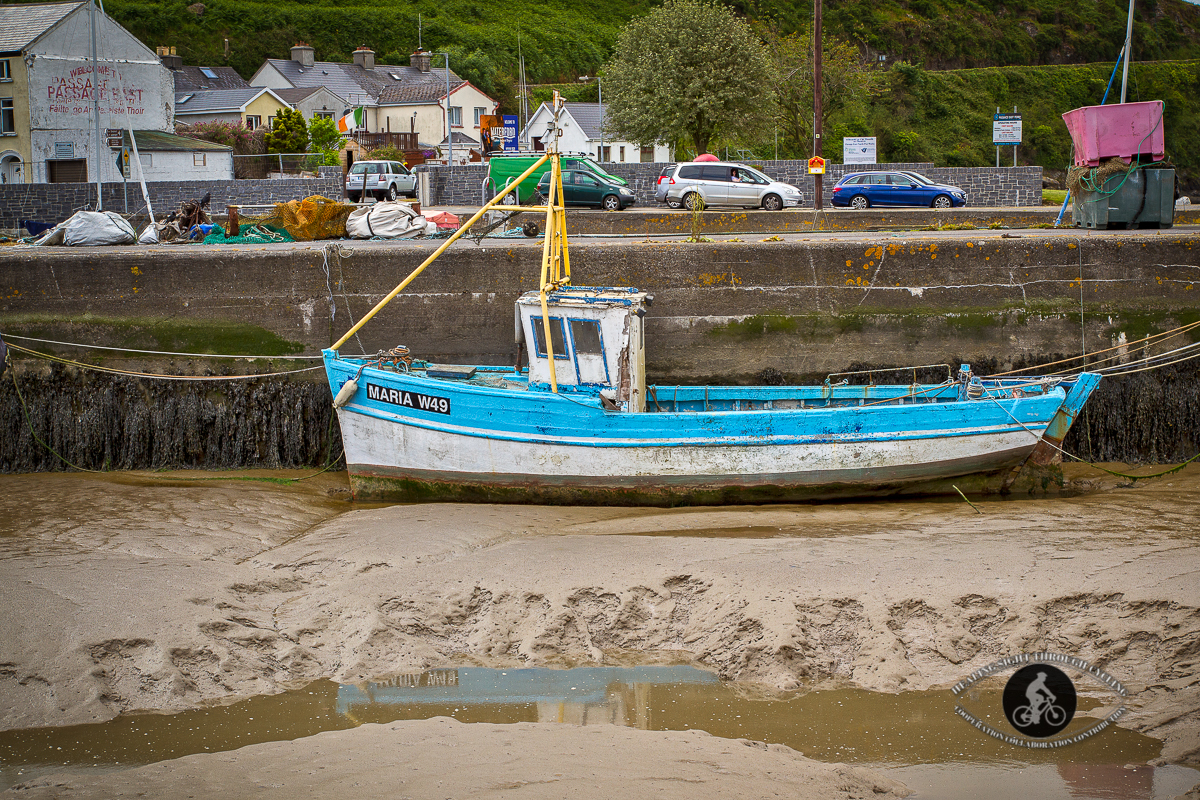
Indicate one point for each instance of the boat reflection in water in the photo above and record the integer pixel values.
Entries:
(582, 696)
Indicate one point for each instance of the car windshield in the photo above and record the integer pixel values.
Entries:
(919, 178)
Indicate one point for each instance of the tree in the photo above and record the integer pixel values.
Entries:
(689, 67)
(847, 82)
(289, 134)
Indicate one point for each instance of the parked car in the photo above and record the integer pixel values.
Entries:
(503, 168)
(726, 183)
(901, 188)
(585, 188)
(385, 180)
(664, 183)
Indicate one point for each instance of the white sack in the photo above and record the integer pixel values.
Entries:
(386, 219)
(149, 235)
(90, 228)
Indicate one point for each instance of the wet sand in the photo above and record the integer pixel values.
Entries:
(126, 593)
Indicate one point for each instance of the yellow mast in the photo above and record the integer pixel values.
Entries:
(556, 264)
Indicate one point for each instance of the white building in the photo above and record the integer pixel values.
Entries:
(49, 91)
(581, 133)
(398, 99)
(167, 157)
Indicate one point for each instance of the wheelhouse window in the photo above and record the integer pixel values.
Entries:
(585, 333)
(557, 337)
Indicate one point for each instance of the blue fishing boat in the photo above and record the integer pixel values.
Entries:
(580, 424)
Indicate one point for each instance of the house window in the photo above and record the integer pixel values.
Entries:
(270, 123)
(456, 116)
(647, 153)
(323, 115)
(147, 159)
(604, 153)
(8, 122)
(622, 152)
(253, 122)
(198, 159)
(5, 71)
(479, 112)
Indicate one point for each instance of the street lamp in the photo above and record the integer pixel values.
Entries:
(600, 95)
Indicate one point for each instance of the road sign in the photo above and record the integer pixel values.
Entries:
(116, 137)
(816, 166)
(1006, 129)
(859, 150)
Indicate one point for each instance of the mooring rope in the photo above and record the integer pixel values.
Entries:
(1145, 340)
(155, 375)
(150, 352)
(1042, 440)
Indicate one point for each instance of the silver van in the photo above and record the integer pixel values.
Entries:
(727, 183)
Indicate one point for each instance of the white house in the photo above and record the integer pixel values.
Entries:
(49, 90)
(581, 133)
(167, 157)
(398, 99)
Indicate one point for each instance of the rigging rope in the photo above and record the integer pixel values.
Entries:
(158, 376)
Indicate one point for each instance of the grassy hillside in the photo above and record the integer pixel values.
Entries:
(946, 117)
(562, 39)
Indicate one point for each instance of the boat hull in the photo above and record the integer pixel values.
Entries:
(528, 446)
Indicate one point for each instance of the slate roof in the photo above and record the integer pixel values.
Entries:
(191, 79)
(157, 142)
(400, 84)
(460, 138)
(587, 116)
(214, 100)
(21, 24)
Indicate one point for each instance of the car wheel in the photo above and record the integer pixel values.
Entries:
(941, 201)
(674, 204)
(611, 202)
(353, 197)
(860, 202)
(693, 202)
(510, 199)
(772, 202)
(393, 193)
(412, 194)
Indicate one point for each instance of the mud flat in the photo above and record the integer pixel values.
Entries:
(133, 593)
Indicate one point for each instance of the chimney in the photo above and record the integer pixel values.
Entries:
(365, 57)
(168, 58)
(420, 60)
(302, 54)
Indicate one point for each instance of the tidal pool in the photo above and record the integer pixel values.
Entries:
(914, 736)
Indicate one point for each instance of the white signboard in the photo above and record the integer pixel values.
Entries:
(1006, 129)
(859, 150)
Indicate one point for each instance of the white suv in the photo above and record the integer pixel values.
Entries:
(726, 183)
(386, 180)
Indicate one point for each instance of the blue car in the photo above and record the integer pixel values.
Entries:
(901, 188)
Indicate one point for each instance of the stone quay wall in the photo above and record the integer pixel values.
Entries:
(985, 186)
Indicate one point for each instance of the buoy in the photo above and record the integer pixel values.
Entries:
(345, 393)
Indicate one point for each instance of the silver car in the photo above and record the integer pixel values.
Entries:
(385, 180)
(726, 183)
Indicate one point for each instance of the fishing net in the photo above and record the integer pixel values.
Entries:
(249, 233)
(1092, 179)
(314, 217)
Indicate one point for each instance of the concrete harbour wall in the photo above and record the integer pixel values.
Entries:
(723, 311)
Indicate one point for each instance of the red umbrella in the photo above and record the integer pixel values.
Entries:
(706, 157)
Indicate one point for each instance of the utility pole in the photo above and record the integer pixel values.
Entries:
(449, 130)
(96, 110)
(817, 48)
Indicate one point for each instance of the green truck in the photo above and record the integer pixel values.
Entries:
(504, 169)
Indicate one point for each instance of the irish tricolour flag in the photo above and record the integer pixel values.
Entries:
(352, 121)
